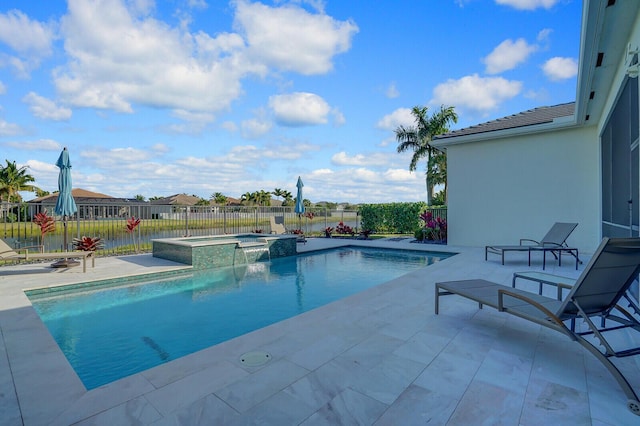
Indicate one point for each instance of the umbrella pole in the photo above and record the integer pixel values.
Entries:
(66, 262)
(64, 224)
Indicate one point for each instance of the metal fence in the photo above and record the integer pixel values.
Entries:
(438, 212)
(109, 223)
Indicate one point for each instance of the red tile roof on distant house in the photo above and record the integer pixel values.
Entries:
(76, 193)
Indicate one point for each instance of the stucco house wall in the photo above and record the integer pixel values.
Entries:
(501, 190)
(507, 183)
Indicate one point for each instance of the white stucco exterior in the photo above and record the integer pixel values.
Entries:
(502, 190)
(510, 184)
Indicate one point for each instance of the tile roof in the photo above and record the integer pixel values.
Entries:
(178, 199)
(76, 192)
(531, 117)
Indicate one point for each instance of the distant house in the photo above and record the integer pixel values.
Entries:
(576, 162)
(177, 199)
(233, 201)
(91, 205)
(173, 206)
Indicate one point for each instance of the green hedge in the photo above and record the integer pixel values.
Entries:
(392, 218)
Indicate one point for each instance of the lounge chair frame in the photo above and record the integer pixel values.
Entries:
(277, 225)
(23, 254)
(278, 228)
(554, 239)
(596, 293)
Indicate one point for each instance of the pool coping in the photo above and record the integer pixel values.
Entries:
(41, 387)
(61, 395)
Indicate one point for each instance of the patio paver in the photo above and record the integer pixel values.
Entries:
(378, 357)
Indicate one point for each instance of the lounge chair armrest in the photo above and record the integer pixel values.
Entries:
(528, 240)
(563, 286)
(548, 313)
(27, 248)
(551, 245)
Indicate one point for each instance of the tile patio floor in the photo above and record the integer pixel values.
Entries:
(379, 357)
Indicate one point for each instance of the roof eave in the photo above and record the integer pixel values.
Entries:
(603, 46)
(560, 123)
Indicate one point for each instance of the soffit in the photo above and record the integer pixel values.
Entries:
(606, 29)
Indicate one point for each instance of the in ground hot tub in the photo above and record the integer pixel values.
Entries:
(224, 250)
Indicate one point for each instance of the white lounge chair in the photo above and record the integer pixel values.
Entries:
(23, 254)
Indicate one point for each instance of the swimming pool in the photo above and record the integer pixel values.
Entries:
(110, 332)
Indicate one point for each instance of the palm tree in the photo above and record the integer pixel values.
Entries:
(248, 197)
(288, 198)
(418, 139)
(263, 197)
(219, 198)
(14, 179)
(437, 171)
(278, 192)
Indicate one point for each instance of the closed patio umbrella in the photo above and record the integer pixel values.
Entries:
(65, 205)
(299, 204)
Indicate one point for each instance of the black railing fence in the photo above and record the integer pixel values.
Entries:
(109, 223)
(438, 212)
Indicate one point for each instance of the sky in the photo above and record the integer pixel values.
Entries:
(160, 97)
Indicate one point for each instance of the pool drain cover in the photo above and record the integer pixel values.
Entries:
(255, 359)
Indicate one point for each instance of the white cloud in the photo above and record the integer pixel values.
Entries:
(364, 185)
(32, 40)
(507, 55)
(338, 117)
(229, 126)
(117, 157)
(255, 128)
(560, 68)
(299, 109)
(399, 117)
(3, 88)
(392, 91)
(194, 117)
(194, 122)
(9, 129)
(198, 4)
(117, 58)
(544, 35)
(45, 108)
(369, 159)
(291, 39)
(120, 56)
(160, 148)
(528, 4)
(475, 93)
(39, 145)
(399, 175)
(24, 35)
(317, 5)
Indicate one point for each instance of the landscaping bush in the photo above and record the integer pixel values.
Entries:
(391, 218)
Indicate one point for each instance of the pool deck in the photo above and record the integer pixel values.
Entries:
(378, 357)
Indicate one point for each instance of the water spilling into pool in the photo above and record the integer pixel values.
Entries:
(110, 332)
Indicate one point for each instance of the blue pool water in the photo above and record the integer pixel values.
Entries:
(110, 332)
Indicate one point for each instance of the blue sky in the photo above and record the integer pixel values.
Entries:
(201, 96)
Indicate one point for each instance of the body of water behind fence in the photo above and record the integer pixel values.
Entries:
(109, 223)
